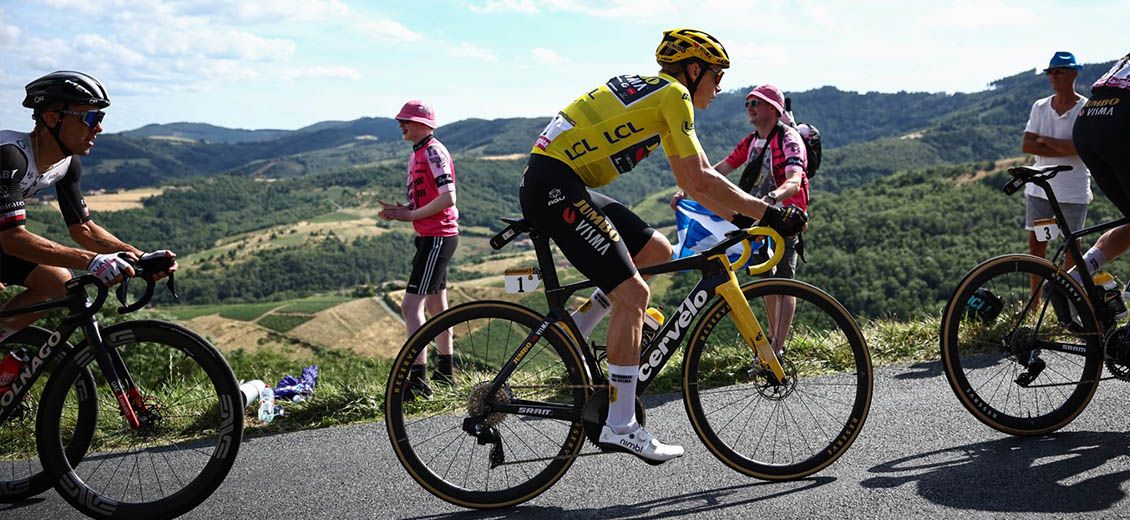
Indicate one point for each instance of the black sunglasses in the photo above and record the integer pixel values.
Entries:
(718, 73)
(90, 118)
(751, 103)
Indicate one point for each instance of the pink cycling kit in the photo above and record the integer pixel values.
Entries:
(431, 172)
(1117, 77)
(784, 152)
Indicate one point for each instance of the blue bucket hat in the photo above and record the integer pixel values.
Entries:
(1063, 60)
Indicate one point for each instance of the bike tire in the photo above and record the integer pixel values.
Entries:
(21, 473)
(191, 436)
(802, 427)
(427, 435)
(983, 358)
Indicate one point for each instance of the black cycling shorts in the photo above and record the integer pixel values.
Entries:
(1101, 136)
(429, 266)
(596, 233)
(14, 271)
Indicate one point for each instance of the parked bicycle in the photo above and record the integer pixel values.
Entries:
(150, 434)
(528, 393)
(1015, 363)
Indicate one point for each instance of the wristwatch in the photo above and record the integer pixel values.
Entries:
(772, 198)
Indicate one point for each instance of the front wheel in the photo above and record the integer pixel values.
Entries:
(452, 439)
(1013, 363)
(191, 422)
(779, 430)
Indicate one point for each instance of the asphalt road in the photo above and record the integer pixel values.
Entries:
(920, 453)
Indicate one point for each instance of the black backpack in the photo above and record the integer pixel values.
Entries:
(811, 136)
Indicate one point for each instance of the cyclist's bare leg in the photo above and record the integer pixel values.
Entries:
(629, 299)
(43, 283)
(1115, 242)
(657, 251)
(437, 303)
(412, 308)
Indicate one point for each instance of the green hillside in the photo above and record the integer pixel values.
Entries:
(866, 135)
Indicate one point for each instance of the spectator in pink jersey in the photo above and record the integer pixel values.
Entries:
(778, 176)
(431, 210)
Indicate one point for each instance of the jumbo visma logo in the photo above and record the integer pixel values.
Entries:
(594, 229)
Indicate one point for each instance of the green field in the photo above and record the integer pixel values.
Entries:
(252, 311)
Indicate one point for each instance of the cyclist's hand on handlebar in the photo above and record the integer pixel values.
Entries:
(111, 268)
(160, 253)
(788, 221)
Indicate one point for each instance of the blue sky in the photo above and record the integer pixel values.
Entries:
(290, 63)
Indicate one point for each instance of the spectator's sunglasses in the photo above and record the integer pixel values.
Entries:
(751, 103)
(91, 118)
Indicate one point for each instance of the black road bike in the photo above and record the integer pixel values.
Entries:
(150, 434)
(1015, 363)
(529, 393)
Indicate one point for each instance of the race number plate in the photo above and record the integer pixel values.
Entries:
(1045, 229)
(521, 280)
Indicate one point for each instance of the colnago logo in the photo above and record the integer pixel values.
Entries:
(682, 319)
(25, 377)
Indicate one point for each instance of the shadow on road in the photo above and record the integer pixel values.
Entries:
(5, 507)
(1060, 473)
(922, 370)
(667, 507)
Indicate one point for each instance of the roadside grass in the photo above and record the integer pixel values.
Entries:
(351, 388)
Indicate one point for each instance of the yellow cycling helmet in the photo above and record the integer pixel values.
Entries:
(682, 44)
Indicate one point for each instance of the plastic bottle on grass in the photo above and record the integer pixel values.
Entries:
(267, 404)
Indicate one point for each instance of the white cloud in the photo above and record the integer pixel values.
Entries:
(474, 52)
(547, 56)
(628, 9)
(274, 10)
(388, 30)
(498, 6)
(321, 71)
(9, 33)
(980, 14)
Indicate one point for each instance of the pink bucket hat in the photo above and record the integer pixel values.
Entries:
(419, 112)
(769, 94)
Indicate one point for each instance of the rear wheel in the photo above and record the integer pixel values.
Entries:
(21, 474)
(452, 444)
(769, 429)
(1006, 355)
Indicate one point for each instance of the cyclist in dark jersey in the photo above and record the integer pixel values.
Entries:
(603, 134)
(67, 109)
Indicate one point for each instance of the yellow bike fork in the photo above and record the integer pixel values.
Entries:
(748, 326)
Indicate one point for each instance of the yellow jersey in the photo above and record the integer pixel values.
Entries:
(607, 131)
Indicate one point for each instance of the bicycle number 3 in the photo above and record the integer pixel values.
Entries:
(521, 280)
(1045, 229)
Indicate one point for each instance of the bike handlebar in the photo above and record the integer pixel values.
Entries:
(146, 270)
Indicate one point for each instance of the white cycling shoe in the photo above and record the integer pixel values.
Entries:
(640, 443)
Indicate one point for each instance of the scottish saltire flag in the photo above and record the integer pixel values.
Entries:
(699, 229)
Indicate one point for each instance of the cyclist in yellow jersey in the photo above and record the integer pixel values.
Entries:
(601, 135)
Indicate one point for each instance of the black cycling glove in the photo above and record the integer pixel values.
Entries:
(742, 221)
(788, 221)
